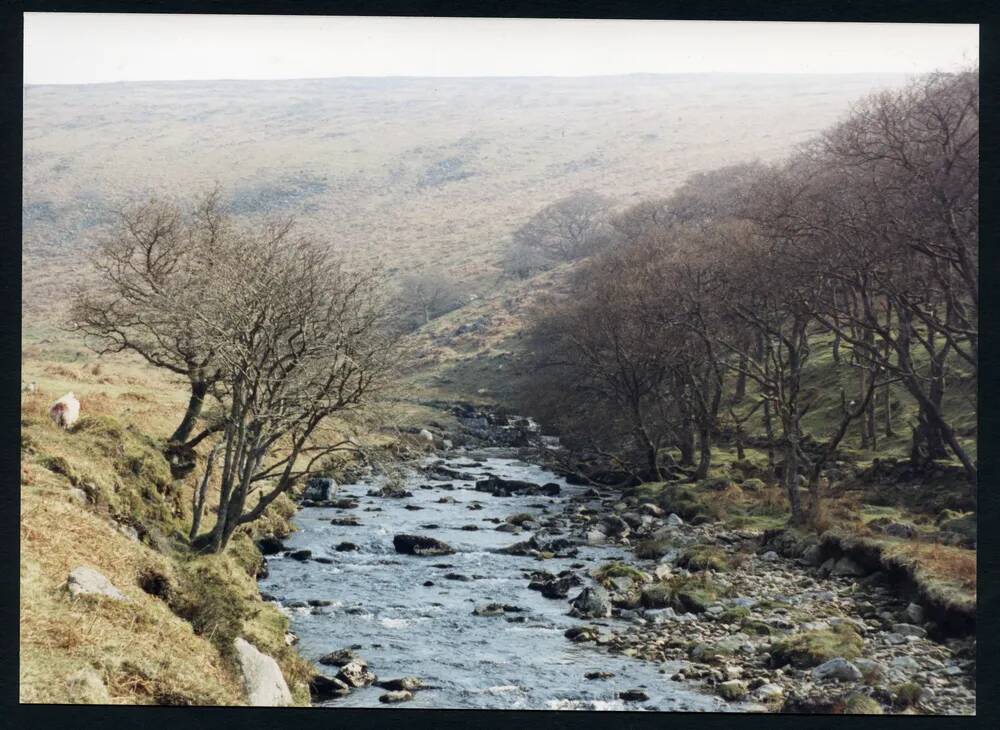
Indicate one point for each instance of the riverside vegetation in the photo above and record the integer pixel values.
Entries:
(763, 387)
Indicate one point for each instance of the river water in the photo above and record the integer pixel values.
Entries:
(403, 628)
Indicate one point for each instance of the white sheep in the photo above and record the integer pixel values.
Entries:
(65, 411)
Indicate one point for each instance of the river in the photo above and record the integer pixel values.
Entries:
(381, 607)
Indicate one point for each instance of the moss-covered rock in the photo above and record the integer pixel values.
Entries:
(811, 648)
(705, 557)
(861, 704)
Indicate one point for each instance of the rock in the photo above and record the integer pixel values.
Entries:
(507, 527)
(915, 613)
(733, 690)
(420, 545)
(847, 567)
(324, 561)
(559, 587)
(599, 675)
(447, 444)
(457, 576)
(869, 668)
(674, 521)
(838, 669)
(581, 633)
(346, 522)
(596, 537)
(426, 436)
(346, 547)
(495, 609)
(651, 509)
(87, 582)
(77, 495)
(633, 695)
(905, 663)
(390, 491)
(319, 602)
(909, 630)
(393, 697)
(340, 658)
(813, 555)
(768, 693)
(770, 556)
(300, 555)
(615, 526)
(356, 674)
(344, 503)
(592, 602)
(320, 489)
(322, 688)
(408, 684)
(87, 688)
(262, 679)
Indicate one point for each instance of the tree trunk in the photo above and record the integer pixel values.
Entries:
(200, 494)
(686, 445)
(705, 452)
(199, 389)
(741, 380)
(887, 411)
(792, 479)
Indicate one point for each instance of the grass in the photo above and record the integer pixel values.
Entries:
(812, 648)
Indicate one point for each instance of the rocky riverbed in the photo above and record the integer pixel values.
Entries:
(484, 581)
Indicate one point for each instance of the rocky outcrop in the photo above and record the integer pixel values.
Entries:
(263, 681)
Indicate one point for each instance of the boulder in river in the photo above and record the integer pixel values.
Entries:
(270, 545)
(420, 545)
(322, 688)
(408, 684)
(598, 675)
(390, 492)
(341, 657)
(320, 489)
(633, 695)
(356, 675)
(593, 602)
(495, 609)
(398, 696)
(300, 555)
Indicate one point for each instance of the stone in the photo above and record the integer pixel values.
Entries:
(346, 547)
(77, 495)
(599, 675)
(356, 674)
(341, 657)
(596, 537)
(262, 678)
(87, 582)
(393, 697)
(322, 688)
(592, 602)
(769, 693)
(320, 489)
(905, 663)
(909, 630)
(847, 567)
(408, 684)
(838, 669)
(426, 436)
(770, 556)
(813, 555)
(420, 545)
(733, 690)
(870, 668)
(86, 687)
(915, 613)
(674, 521)
(633, 695)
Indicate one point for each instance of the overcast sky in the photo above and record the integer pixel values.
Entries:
(98, 47)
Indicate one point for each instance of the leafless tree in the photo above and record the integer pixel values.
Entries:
(566, 230)
(425, 296)
(152, 270)
(299, 337)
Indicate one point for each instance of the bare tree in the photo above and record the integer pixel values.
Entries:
(426, 296)
(152, 271)
(566, 230)
(299, 337)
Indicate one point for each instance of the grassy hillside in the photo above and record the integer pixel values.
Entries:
(102, 495)
(427, 173)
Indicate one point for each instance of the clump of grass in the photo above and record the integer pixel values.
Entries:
(705, 557)
(907, 694)
(812, 648)
(606, 572)
(682, 593)
(652, 549)
(861, 704)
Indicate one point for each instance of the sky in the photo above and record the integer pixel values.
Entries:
(74, 48)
